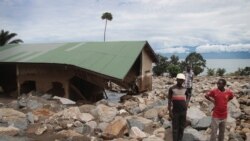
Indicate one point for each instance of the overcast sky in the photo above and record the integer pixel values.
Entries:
(170, 26)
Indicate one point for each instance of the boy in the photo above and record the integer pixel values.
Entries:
(177, 96)
(220, 97)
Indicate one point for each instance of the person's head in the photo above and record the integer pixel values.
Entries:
(188, 68)
(221, 83)
(180, 78)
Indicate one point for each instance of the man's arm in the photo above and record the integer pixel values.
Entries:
(187, 97)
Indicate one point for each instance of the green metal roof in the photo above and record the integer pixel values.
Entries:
(113, 59)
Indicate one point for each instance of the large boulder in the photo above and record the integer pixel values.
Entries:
(135, 132)
(68, 133)
(86, 117)
(234, 108)
(14, 118)
(194, 113)
(152, 138)
(87, 108)
(9, 131)
(70, 113)
(191, 134)
(201, 124)
(246, 109)
(116, 128)
(105, 113)
(139, 122)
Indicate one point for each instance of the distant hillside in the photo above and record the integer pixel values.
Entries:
(225, 55)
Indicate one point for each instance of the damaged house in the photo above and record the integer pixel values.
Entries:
(76, 70)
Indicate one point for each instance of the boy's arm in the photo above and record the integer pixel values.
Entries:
(209, 95)
(231, 96)
(170, 94)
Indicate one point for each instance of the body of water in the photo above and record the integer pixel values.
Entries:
(231, 65)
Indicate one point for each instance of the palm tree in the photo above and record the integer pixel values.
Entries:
(5, 38)
(106, 16)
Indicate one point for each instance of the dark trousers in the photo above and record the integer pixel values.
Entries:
(189, 91)
(178, 125)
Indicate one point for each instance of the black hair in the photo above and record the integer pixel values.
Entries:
(223, 80)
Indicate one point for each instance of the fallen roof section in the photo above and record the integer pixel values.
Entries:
(112, 59)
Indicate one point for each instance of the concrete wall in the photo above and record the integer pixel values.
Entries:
(146, 72)
(44, 75)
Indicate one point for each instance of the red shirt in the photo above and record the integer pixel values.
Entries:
(221, 99)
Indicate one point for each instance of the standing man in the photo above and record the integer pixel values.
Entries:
(220, 97)
(177, 96)
(189, 82)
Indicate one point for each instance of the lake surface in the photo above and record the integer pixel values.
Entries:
(231, 65)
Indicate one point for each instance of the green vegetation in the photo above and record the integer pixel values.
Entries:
(161, 66)
(7, 38)
(220, 71)
(106, 16)
(242, 71)
(210, 72)
(175, 66)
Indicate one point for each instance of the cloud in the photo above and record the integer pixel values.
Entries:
(173, 50)
(223, 48)
(168, 25)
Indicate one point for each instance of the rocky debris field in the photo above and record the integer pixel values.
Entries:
(142, 117)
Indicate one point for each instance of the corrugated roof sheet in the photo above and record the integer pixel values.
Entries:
(108, 58)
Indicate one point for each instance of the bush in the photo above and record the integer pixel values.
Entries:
(220, 71)
(210, 72)
(243, 72)
(174, 70)
(161, 65)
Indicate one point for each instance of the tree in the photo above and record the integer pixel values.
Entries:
(220, 71)
(106, 16)
(174, 70)
(210, 72)
(161, 66)
(196, 61)
(174, 60)
(7, 38)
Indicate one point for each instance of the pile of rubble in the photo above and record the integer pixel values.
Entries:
(141, 117)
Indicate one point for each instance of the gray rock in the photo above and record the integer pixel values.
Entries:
(139, 122)
(246, 109)
(85, 117)
(30, 117)
(105, 113)
(41, 130)
(46, 96)
(31, 102)
(191, 134)
(9, 131)
(9, 138)
(102, 125)
(153, 139)
(85, 129)
(247, 136)
(235, 137)
(201, 124)
(14, 118)
(64, 101)
(195, 113)
(87, 108)
(151, 114)
(135, 132)
(234, 108)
